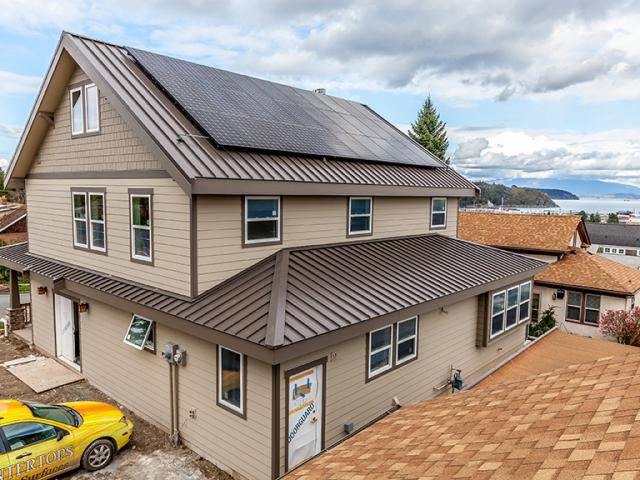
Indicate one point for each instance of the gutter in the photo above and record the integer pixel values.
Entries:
(507, 360)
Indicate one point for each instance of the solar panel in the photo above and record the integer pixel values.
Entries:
(244, 112)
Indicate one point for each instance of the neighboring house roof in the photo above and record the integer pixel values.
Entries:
(544, 233)
(313, 293)
(14, 237)
(614, 234)
(555, 350)
(12, 216)
(182, 133)
(581, 421)
(580, 268)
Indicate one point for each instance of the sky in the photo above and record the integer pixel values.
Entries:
(529, 88)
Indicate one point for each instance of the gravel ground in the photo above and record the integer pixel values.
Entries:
(148, 455)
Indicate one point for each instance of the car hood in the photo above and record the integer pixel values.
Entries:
(96, 412)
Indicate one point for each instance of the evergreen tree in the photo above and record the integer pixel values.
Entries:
(430, 132)
(584, 215)
(613, 218)
(595, 218)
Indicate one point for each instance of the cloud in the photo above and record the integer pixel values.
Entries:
(15, 83)
(10, 131)
(505, 153)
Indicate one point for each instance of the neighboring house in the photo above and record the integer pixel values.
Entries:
(617, 241)
(13, 224)
(580, 286)
(298, 248)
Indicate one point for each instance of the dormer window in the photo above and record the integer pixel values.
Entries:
(85, 109)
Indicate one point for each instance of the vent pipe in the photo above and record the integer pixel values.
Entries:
(321, 91)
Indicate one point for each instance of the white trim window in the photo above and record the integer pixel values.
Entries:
(231, 379)
(85, 109)
(261, 219)
(592, 309)
(140, 334)
(360, 215)
(380, 351)
(141, 227)
(438, 212)
(525, 301)
(512, 307)
(498, 303)
(97, 227)
(574, 306)
(406, 340)
(80, 230)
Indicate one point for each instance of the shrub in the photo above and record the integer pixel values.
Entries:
(547, 322)
(622, 325)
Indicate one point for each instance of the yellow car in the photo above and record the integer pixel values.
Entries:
(42, 441)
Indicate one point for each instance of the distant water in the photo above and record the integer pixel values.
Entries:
(592, 205)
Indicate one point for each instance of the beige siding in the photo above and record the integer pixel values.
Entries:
(115, 148)
(42, 319)
(445, 339)
(49, 219)
(307, 221)
(140, 381)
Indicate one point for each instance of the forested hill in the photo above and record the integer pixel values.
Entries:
(513, 196)
(557, 194)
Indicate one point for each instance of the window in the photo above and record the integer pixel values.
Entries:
(140, 334)
(359, 215)
(574, 306)
(535, 307)
(262, 219)
(380, 350)
(407, 338)
(141, 245)
(55, 413)
(438, 212)
(231, 372)
(512, 307)
(80, 220)
(85, 109)
(525, 300)
(592, 309)
(21, 435)
(497, 313)
(96, 219)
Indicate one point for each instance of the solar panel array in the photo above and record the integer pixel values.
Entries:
(244, 112)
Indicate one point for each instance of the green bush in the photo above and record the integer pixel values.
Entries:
(547, 322)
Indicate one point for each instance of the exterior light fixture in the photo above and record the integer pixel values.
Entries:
(42, 290)
(83, 308)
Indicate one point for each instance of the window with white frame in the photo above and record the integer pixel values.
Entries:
(525, 301)
(140, 334)
(80, 231)
(406, 340)
(380, 350)
(592, 309)
(85, 109)
(512, 306)
(89, 228)
(360, 215)
(231, 379)
(262, 219)
(141, 227)
(96, 221)
(438, 212)
(497, 312)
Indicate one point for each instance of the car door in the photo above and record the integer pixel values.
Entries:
(4, 460)
(37, 449)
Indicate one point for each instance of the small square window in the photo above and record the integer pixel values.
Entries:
(262, 219)
(438, 212)
(360, 215)
(140, 334)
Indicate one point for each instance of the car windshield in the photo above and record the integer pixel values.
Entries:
(55, 413)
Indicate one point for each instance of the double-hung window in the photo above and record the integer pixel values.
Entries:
(592, 309)
(512, 306)
(438, 212)
(380, 350)
(574, 306)
(141, 227)
(141, 334)
(360, 215)
(407, 340)
(261, 220)
(525, 301)
(509, 307)
(89, 227)
(85, 109)
(497, 312)
(231, 380)
(391, 346)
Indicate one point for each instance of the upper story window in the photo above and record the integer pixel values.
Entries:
(231, 380)
(262, 220)
(401, 338)
(360, 215)
(141, 226)
(509, 307)
(438, 212)
(89, 227)
(85, 109)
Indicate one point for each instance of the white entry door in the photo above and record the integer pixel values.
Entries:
(66, 334)
(304, 436)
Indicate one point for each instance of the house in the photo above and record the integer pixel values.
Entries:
(255, 268)
(579, 285)
(616, 241)
(576, 422)
(13, 223)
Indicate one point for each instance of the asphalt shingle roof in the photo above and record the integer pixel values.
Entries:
(614, 234)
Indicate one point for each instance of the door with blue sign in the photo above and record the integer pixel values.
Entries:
(304, 403)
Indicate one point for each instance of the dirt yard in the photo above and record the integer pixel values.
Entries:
(148, 456)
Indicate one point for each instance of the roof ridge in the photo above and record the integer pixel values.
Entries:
(276, 318)
(91, 39)
(604, 263)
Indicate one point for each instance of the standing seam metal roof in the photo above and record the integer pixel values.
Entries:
(300, 293)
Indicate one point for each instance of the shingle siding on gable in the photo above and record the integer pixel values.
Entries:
(115, 148)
